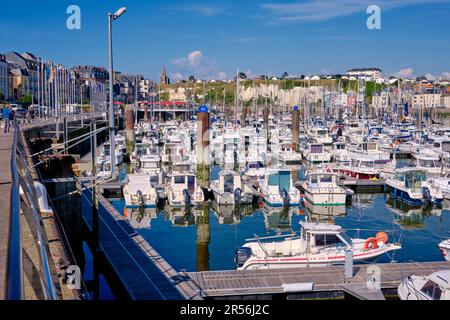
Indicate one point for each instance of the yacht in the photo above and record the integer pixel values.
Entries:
(182, 189)
(277, 188)
(316, 154)
(321, 189)
(288, 156)
(428, 161)
(229, 189)
(435, 286)
(138, 191)
(444, 246)
(361, 167)
(319, 245)
(411, 186)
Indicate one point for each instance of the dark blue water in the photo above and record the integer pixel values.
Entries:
(204, 239)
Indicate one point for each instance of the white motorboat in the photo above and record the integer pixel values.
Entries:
(255, 168)
(316, 154)
(444, 246)
(182, 189)
(140, 149)
(229, 189)
(138, 191)
(278, 189)
(321, 189)
(150, 163)
(411, 186)
(121, 142)
(319, 245)
(435, 286)
(362, 167)
(288, 156)
(427, 160)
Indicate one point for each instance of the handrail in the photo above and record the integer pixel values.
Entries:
(14, 285)
(16, 264)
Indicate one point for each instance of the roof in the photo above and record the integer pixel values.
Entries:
(315, 226)
(442, 278)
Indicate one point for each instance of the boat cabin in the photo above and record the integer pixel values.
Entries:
(319, 235)
(411, 178)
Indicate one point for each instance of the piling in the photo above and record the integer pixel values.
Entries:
(244, 117)
(296, 127)
(203, 135)
(145, 113)
(203, 239)
(266, 122)
(129, 125)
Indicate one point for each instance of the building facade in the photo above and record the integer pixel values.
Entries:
(428, 100)
(4, 80)
(366, 73)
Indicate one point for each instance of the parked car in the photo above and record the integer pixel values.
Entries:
(21, 113)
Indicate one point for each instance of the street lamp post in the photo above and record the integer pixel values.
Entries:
(112, 151)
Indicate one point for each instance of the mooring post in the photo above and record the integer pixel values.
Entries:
(66, 136)
(348, 264)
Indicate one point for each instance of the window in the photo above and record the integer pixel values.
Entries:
(274, 180)
(326, 178)
(432, 290)
(179, 179)
(327, 240)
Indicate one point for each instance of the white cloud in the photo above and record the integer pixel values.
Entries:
(446, 75)
(199, 65)
(430, 77)
(320, 10)
(404, 73)
(203, 10)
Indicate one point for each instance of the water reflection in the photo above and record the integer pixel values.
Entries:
(203, 238)
(409, 217)
(140, 217)
(279, 219)
(325, 213)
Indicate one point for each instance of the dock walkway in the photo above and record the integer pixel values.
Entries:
(5, 198)
(221, 284)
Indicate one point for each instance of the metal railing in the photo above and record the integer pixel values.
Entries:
(35, 260)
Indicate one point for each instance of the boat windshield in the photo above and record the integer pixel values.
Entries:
(428, 163)
(142, 151)
(328, 240)
(345, 238)
(432, 290)
(255, 165)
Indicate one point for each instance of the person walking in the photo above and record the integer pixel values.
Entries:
(6, 114)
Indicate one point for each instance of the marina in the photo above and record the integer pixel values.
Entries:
(209, 177)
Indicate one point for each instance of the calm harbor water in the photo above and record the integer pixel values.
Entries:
(206, 238)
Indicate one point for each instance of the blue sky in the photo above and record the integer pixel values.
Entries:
(211, 39)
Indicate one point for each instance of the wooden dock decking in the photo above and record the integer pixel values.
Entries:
(143, 272)
(220, 284)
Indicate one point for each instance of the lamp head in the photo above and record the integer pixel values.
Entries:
(119, 12)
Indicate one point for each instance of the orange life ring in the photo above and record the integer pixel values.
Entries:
(382, 236)
(125, 212)
(371, 243)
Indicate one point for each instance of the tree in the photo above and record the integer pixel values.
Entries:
(2, 96)
(26, 100)
(284, 75)
(85, 101)
(191, 78)
(242, 75)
